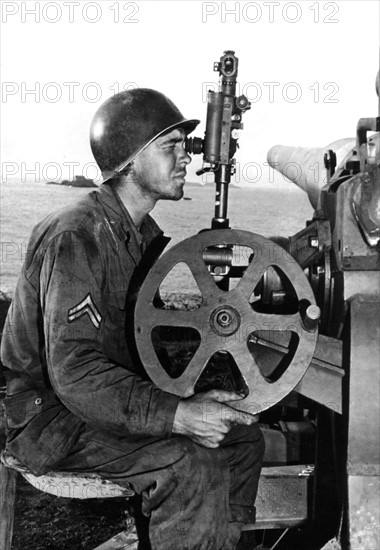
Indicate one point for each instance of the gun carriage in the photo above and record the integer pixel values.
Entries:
(294, 327)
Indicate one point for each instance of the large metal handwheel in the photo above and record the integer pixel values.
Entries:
(225, 319)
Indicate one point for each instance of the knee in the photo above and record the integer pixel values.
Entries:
(245, 435)
(251, 434)
(200, 466)
(245, 445)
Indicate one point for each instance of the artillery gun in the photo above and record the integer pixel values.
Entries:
(291, 323)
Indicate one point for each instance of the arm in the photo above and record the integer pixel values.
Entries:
(90, 384)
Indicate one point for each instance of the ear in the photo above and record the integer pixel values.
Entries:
(128, 169)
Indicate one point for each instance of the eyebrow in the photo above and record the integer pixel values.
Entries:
(166, 140)
(179, 135)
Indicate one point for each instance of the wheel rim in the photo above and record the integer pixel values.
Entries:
(225, 319)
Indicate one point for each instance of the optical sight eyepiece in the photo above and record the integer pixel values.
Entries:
(194, 145)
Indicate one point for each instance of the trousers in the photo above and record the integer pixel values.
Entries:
(196, 498)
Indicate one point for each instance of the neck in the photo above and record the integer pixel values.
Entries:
(137, 204)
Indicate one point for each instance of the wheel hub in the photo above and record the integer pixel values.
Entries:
(225, 320)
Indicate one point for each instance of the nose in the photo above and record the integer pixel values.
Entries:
(183, 156)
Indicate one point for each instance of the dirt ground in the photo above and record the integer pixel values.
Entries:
(45, 522)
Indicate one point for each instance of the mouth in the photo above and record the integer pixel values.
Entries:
(181, 175)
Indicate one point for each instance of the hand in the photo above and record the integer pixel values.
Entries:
(206, 419)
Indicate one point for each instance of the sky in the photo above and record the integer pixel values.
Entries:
(308, 68)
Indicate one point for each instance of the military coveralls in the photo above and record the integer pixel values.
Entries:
(77, 399)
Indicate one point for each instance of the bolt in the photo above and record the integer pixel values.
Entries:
(224, 319)
(311, 318)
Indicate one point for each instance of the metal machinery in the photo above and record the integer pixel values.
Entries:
(292, 323)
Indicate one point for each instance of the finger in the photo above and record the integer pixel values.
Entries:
(223, 396)
(224, 427)
(245, 419)
(239, 417)
(209, 444)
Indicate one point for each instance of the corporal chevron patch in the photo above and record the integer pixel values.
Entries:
(85, 307)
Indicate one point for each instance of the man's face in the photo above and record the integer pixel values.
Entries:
(160, 169)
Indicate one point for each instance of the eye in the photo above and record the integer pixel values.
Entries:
(171, 145)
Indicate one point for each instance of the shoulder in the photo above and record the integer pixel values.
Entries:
(78, 216)
(77, 219)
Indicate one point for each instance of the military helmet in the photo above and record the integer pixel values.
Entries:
(127, 123)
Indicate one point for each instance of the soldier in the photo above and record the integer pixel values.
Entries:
(77, 397)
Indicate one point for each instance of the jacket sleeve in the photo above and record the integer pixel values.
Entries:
(90, 384)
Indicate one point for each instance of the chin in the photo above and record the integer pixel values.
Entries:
(176, 198)
(180, 194)
(177, 194)
(174, 192)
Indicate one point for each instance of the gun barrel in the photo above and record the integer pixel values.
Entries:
(305, 166)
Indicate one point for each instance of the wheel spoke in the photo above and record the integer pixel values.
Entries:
(277, 323)
(260, 389)
(202, 276)
(197, 364)
(174, 318)
(253, 274)
(245, 362)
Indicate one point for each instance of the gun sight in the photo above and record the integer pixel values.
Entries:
(223, 122)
